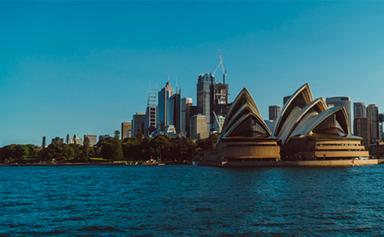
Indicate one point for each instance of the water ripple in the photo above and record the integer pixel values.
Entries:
(191, 201)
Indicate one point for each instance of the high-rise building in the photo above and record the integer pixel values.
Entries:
(199, 127)
(218, 100)
(186, 104)
(150, 120)
(285, 99)
(91, 138)
(359, 110)
(191, 111)
(138, 122)
(204, 83)
(162, 106)
(126, 130)
(174, 111)
(373, 123)
(361, 128)
(341, 101)
(381, 122)
(150, 114)
(274, 111)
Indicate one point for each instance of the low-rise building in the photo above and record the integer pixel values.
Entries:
(91, 138)
(126, 130)
(199, 127)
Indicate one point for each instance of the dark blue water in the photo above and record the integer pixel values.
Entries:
(191, 201)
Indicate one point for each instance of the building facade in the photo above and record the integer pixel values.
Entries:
(138, 124)
(185, 107)
(285, 99)
(199, 127)
(381, 122)
(162, 106)
(361, 128)
(218, 100)
(373, 123)
(359, 110)
(150, 120)
(126, 130)
(274, 111)
(204, 83)
(91, 138)
(174, 111)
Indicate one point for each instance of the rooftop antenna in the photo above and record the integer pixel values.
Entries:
(152, 98)
(222, 67)
(177, 85)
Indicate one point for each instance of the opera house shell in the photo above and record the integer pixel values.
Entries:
(306, 130)
(245, 136)
(309, 130)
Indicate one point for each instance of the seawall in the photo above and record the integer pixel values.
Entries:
(282, 163)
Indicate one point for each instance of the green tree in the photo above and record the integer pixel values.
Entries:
(86, 148)
(43, 143)
(16, 153)
(110, 148)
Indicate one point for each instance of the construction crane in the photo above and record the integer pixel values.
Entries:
(223, 69)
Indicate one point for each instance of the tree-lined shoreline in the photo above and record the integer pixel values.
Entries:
(110, 150)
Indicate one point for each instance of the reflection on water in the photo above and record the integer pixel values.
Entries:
(191, 201)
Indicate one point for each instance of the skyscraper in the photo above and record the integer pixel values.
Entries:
(204, 83)
(381, 121)
(218, 99)
(126, 130)
(162, 106)
(186, 104)
(138, 122)
(150, 114)
(274, 111)
(342, 101)
(373, 123)
(359, 110)
(361, 129)
(174, 111)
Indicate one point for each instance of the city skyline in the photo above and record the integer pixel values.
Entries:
(57, 79)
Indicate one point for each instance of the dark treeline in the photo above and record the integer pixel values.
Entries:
(161, 148)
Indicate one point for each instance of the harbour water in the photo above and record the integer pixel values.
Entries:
(191, 201)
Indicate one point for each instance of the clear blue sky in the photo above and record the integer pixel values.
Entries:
(70, 67)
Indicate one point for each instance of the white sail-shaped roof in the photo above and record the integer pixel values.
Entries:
(297, 115)
(301, 98)
(243, 115)
(302, 115)
(333, 118)
(244, 97)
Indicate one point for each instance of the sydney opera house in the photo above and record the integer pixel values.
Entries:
(306, 131)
